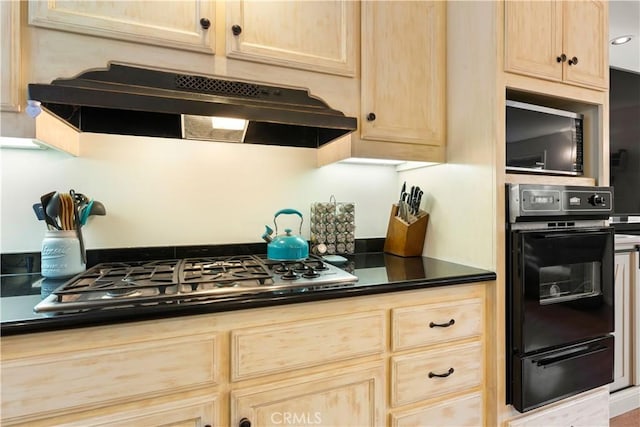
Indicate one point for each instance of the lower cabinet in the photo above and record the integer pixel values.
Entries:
(590, 409)
(460, 411)
(180, 413)
(410, 358)
(351, 398)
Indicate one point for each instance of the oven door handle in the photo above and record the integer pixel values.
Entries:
(565, 235)
(583, 350)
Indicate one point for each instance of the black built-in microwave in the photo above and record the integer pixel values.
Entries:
(543, 140)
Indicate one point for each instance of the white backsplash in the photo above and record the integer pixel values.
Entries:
(160, 192)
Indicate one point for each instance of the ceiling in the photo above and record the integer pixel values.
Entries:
(624, 19)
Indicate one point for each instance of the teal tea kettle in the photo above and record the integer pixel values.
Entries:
(288, 247)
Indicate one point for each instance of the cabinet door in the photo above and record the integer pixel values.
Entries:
(622, 349)
(196, 412)
(328, 400)
(403, 72)
(10, 56)
(310, 35)
(585, 38)
(533, 38)
(185, 24)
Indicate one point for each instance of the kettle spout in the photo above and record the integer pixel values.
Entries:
(267, 234)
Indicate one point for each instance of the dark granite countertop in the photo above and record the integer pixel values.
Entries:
(377, 273)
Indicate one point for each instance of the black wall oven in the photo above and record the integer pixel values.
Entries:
(560, 256)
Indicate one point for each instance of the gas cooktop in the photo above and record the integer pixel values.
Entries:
(189, 280)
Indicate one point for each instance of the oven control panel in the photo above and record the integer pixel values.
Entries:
(533, 201)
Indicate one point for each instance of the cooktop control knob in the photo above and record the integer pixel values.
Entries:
(596, 200)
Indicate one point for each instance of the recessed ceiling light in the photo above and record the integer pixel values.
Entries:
(621, 40)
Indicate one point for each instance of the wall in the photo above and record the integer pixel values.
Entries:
(170, 192)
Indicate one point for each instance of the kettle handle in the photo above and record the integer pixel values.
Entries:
(288, 212)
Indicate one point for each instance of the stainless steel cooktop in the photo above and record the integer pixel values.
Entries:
(189, 280)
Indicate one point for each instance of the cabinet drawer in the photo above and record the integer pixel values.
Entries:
(419, 325)
(414, 377)
(462, 411)
(106, 376)
(280, 348)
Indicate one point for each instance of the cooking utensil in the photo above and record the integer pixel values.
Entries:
(93, 207)
(39, 211)
(53, 209)
(78, 226)
(97, 208)
(45, 199)
(286, 247)
(84, 212)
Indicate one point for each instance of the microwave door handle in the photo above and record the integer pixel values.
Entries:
(581, 351)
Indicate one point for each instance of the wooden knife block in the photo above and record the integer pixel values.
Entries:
(404, 239)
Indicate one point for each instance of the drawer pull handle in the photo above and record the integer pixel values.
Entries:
(442, 325)
(449, 372)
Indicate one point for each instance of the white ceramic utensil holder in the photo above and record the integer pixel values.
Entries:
(60, 256)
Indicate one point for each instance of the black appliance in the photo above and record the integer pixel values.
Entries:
(189, 281)
(543, 140)
(139, 101)
(624, 142)
(559, 307)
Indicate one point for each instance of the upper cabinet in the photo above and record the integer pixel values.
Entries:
(310, 35)
(403, 85)
(403, 72)
(10, 56)
(564, 41)
(185, 24)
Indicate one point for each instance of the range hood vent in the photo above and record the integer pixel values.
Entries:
(129, 100)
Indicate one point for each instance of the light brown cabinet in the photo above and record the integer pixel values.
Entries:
(563, 41)
(328, 363)
(187, 25)
(403, 85)
(195, 412)
(352, 397)
(312, 35)
(437, 363)
(10, 56)
(403, 72)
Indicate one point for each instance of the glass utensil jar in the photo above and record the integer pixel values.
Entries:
(60, 256)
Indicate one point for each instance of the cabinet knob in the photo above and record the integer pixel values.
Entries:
(561, 58)
(205, 23)
(573, 61)
(371, 117)
(442, 325)
(446, 374)
(236, 30)
(244, 422)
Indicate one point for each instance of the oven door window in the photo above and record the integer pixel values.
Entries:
(568, 282)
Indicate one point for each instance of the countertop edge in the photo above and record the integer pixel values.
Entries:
(49, 324)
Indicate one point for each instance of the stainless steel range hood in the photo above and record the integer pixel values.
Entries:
(130, 100)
